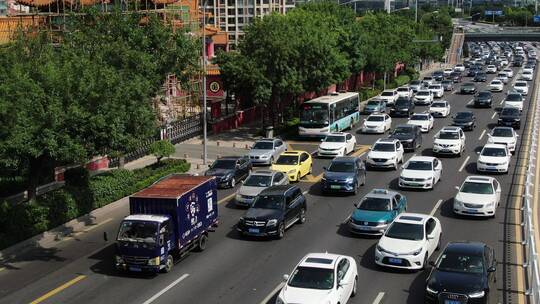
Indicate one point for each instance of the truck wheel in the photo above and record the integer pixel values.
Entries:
(169, 264)
(202, 242)
(281, 231)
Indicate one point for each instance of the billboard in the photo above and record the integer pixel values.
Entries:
(493, 13)
(536, 19)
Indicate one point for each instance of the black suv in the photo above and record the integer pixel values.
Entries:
(465, 272)
(465, 120)
(510, 117)
(483, 99)
(229, 170)
(402, 107)
(274, 210)
(410, 136)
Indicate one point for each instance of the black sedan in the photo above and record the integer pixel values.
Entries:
(465, 272)
(465, 120)
(510, 117)
(230, 170)
(455, 77)
(480, 77)
(408, 135)
(468, 88)
(402, 107)
(483, 99)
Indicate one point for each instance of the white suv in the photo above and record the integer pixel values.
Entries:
(409, 241)
(423, 120)
(377, 123)
(504, 136)
(423, 97)
(390, 96)
(420, 172)
(493, 158)
(521, 87)
(449, 140)
(404, 92)
(437, 90)
(385, 153)
(478, 196)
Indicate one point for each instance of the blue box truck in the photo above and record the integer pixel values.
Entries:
(167, 219)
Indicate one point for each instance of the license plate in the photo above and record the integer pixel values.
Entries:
(335, 187)
(394, 260)
(135, 269)
(253, 230)
(491, 168)
(452, 302)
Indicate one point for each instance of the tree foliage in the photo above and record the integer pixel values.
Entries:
(161, 149)
(88, 95)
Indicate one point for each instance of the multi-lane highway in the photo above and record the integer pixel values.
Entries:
(239, 270)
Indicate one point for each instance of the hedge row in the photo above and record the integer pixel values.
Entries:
(80, 196)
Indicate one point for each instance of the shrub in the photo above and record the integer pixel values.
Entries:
(367, 93)
(161, 149)
(111, 186)
(402, 80)
(77, 176)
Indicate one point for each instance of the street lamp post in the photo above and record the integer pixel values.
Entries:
(205, 139)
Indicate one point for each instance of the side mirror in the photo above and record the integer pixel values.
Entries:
(285, 277)
(322, 139)
(457, 188)
(356, 205)
(492, 269)
(324, 168)
(478, 152)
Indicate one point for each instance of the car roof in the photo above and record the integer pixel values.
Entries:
(386, 140)
(381, 193)
(338, 133)
(263, 172)
(344, 159)
(277, 190)
(465, 247)
(293, 152)
(500, 146)
(267, 139)
(502, 127)
(374, 115)
(230, 157)
(320, 260)
(450, 129)
(411, 218)
(479, 179)
(422, 158)
(407, 126)
(425, 114)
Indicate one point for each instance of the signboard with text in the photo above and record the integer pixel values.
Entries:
(536, 19)
(493, 13)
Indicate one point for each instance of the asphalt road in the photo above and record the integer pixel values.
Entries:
(238, 270)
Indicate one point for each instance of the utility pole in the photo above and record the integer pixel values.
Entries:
(205, 135)
(415, 11)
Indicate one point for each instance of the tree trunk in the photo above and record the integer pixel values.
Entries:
(35, 170)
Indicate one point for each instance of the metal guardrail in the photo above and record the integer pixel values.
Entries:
(531, 263)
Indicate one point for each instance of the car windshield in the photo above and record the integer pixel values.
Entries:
(496, 82)
(341, 166)
(448, 135)
(373, 103)
(457, 262)
(502, 132)
(287, 160)
(419, 117)
(334, 138)
(438, 105)
(484, 94)
(268, 202)
(463, 115)
(446, 82)
(383, 147)
(258, 181)
(502, 75)
(263, 145)
(415, 82)
(402, 103)
(434, 87)
(138, 231)
(224, 164)
(387, 94)
(468, 85)
(495, 152)
(402, 131)
(419, 165)
(403, 89)
(405, 231)
(422, 93)
(520, 84)
(312, 278)
(510, 111)
(375, 118)
(476, 188)
(375, 204)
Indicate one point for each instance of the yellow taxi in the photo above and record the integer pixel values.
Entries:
(295, 164)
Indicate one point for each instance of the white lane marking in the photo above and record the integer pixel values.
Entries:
(482, 135)
(305, 192)
(493, 116)
(164, 290)
(470, 102)
(436, 207)
(454, 91)
(464, 163)
(379, 298)
(502, 101)
(271, 294)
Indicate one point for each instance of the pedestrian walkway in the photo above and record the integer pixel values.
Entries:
(456, 46)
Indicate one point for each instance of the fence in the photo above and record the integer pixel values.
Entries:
(176, 132)
(529, 242)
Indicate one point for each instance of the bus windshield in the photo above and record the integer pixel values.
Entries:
(314, 115)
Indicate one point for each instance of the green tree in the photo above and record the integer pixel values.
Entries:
(161, 149)
(89, 95)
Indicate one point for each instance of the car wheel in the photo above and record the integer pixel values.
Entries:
(271, 160)
(354, 288)
(310, 169)
(356, 186)
(302, 216)
(281, 231)
(232, 183)
(439, 243)
(298, 177)
(202, 242)
(424, 264)
(396, 165)
(169, 264)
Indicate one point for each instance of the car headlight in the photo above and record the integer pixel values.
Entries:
(458, 202)
(392, 158)
(291, 171)
(241, 220)
(272, 222)
(383, 222)
(119, 259)
(265, 156)
(227, 176)
(478, 294)
(417, 251)
(349, 179)
(409, 140)
(153, 261)
(380, 249)
(431, 290)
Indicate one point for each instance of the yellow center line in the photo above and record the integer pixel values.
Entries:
(226, 198)
(58, 289)
(2, 269)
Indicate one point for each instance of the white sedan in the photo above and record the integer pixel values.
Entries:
(440, 108)
(491, 69)
(390, 96)
(437, 90)
(527, 75)
(404, 92)
(423, 120)
(409, 241)
(459, 68)
(504, 136)
(423, 97)
(496, 85)
(447, 72)
(509, 72)
(420, 172)
(449, 140)
(320, 278)
(478, 196)
(336, 144)
(521, 87)
(494, 158)
(377, 123)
